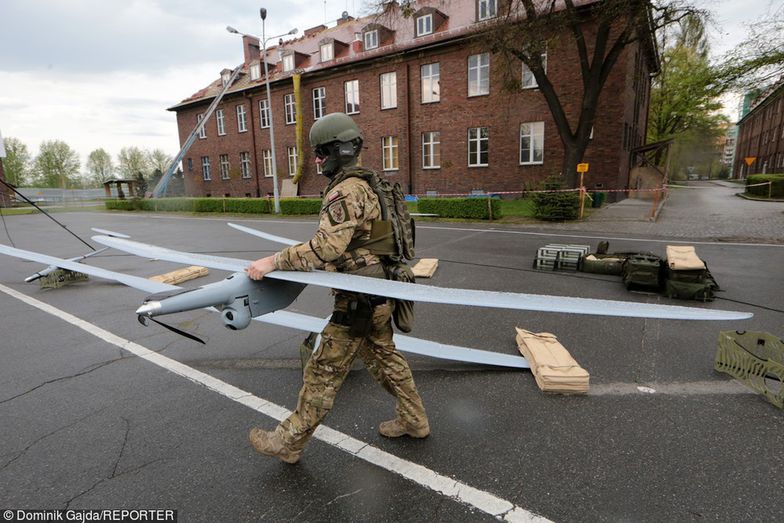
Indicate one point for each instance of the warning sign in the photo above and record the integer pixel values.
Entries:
(750, 160)
(582, 167)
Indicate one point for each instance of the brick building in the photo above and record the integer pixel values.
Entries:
(761, 134)
(429, 99)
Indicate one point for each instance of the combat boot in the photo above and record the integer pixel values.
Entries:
(395, 428)
(270, 444)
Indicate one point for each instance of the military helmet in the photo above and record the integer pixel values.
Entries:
(334, 127)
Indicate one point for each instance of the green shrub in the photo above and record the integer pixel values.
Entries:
(473, 208)
(776, 190)
(300, 206)
(208, 205)
(170, 204)
(247, 205)
(134, 204)
(556, 205)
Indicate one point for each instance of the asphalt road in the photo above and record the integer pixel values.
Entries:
(87, 424)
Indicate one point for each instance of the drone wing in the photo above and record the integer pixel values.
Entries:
(427, 293)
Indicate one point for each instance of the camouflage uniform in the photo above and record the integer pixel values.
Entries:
(348, 209)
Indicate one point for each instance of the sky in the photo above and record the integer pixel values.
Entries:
(101, 73)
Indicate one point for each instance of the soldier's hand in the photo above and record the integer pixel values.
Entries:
(261, 267)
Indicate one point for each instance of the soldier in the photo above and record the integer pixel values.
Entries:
(360, 324)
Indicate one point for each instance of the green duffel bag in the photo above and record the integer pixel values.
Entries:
(642, 270)
(602, 264)
(682, 290)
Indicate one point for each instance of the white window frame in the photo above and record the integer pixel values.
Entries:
(292, 154)
(388, 86)
(430, 83)
(424, 25)
(390, 148)
(245, 164)
(242, 120)
(476, 140)
(288, 62)
(220, 120)
(487, 9)
(266, 158)
(205, 168)
(327, 52)
(255, 71)
(528, 80)
(225, 77)
(370, 39)
(431, 150)
(534, 131)
(264, 114)
(477, 65)
(290, 108)
(351, 96)
(319, 102)
(224, 166)
(203, 130)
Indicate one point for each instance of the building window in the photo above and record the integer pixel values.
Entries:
(245, 164)
(290, 109)
(388, 90)
(221, 122)
(431, 150)
(424, 25)
(487, 9)
(288, 62)
(266, 158)
(264, 113)
(327, 52)
(205, 168)
(431, 83)
(352, 96)
(371, 39)
(529, 81)
(319, 102)
(190, 164)
(224, 166)
(292, 152)
(255, 71)
(242, 124)
(477, 147)
(389, 148)
(531, 143)
(203, 130)
(225, 77)
(479, 74)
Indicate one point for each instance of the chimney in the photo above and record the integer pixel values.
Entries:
(356, 45)
(344, 17)
(315, 30)
(251, 48)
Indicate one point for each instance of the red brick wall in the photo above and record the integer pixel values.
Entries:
(501, 112)
(761, 134)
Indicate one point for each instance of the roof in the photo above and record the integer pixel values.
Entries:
(764, 96)
(460, 22)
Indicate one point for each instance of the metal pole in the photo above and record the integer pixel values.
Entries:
(275, 196)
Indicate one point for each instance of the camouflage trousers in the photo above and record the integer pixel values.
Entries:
(330, 363)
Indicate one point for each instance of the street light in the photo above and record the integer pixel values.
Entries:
(264, 40)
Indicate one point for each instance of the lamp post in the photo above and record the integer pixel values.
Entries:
(264, 40)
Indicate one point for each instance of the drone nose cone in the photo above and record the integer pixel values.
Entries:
(149, 308)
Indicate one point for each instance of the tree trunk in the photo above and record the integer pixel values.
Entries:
(573, 154)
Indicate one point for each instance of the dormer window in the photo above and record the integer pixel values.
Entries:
(487, 9)
(225, 77)
(424, 25)
(255, 71)
(327, 52)
(371, 39)
(288, 62)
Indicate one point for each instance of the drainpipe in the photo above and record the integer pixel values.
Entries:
(409, 131)
(249, 97)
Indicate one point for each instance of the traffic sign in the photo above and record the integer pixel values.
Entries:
(750, 160)
(582, 167)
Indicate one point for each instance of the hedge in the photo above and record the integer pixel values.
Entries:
(235, 205)
(776, 190)
(300, 205)
(475, 208)
(556, 205)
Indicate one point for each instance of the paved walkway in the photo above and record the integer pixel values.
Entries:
(704, 211)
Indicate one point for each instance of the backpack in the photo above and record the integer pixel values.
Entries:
(396, 222)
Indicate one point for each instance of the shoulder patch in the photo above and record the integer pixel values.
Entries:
(338, 212)
(333, 196)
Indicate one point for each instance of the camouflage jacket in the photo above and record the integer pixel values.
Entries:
(347, 212)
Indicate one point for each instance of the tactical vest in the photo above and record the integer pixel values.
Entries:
(394, 235)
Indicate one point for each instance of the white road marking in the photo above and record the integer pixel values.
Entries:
(498, 231)
(461, 492)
